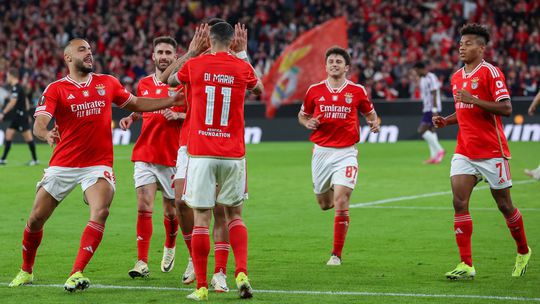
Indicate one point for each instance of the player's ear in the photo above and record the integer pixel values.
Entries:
(347, 67)
(153, 56)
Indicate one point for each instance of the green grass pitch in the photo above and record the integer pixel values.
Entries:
(396, 252)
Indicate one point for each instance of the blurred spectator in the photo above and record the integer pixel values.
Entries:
(385, 36)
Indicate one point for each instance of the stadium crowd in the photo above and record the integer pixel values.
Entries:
(385, 37)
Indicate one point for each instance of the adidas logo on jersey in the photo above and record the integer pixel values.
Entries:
(459, 231)
(71, 96)
(145, 92)
(322, 98)
(89, 249)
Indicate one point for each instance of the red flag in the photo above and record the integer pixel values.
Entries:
(302, 64)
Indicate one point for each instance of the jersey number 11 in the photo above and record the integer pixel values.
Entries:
(210, 100)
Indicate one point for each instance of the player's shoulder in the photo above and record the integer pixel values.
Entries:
(316, 86)
(57, 84)
(457, 74)
(147, 79)
(494, 71)
(356, 87)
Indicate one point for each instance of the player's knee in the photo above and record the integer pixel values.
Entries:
(460, 204)
(341, 201)
(101, 214)
(169, 213)
(325, 204)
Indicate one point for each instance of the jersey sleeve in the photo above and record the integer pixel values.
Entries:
(308, 106)
(251, 79)
(121, 96)
(183, 73)
(365, 106)
(48, 101)
(497, 84)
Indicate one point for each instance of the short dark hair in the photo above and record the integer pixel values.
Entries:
(14, 72)
(215, 21)
(165, 39)
(419, 65)
(476, 29)
(223, 32)
(336, 50)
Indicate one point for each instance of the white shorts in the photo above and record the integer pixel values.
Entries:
(495, 170)
(60, 181)
(204, 173)
(333, 166)
(181, 163)
(147, 173)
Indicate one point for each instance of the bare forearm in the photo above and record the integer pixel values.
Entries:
(10, 105)
(303, 119)
(372, 116)
(536, 100)
(142, 104)
(40, 130)
(451, 119)
(169, 75)
(503, 108)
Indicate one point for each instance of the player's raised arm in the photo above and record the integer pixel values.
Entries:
(198, 44)
(41, 131)
(239, 46)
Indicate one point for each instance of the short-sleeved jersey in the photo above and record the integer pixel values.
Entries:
(83, 115)
(158, 142)
(338, 110)
(428, 84)
(218, 84)
(481, 134)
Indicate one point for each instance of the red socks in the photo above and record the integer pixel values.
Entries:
(200, 244)
(221, 255)
(187, 240)
(90, 240)
(341, 225)
(30, 244)
(238, 238)
(463, 228)
(515, 224)
(171, 230)
(144, 233)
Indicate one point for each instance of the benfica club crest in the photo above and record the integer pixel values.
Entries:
(171, 92)
(474, 83)
(85, 93)
(100, 89)
(348, 97)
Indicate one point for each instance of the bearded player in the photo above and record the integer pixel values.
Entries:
(81, 104)
(154, 155)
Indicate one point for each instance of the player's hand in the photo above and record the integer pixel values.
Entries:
(531, 110)
(313, 123)
(200, 41)
(53, 136)
(239, 43)
(171, 115)
(464, 96)
(126, 122)
(179, 99)
(439, 121)
(373, 125)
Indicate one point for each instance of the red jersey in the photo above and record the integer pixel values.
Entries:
(185, 128)
(83, 114)
(218, 84)
(339, 112)
(481, 134)
(158, 141)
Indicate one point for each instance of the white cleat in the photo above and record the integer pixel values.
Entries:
(140, 270)
(167, 262)
(219, 282)
(533, 173)
(334, 261)
(189, 274)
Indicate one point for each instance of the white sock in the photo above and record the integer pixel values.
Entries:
(437, 144)
(428, 137)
